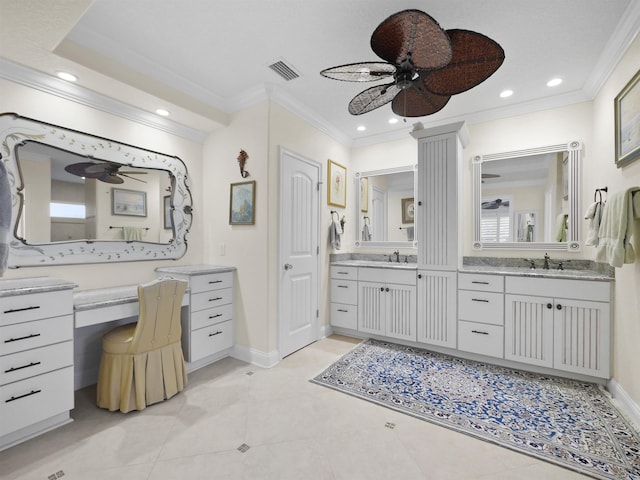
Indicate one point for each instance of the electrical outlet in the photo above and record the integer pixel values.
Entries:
(223, 249)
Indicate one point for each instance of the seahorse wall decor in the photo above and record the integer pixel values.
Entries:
(242, 159)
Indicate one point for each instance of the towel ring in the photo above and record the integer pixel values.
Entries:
(597, 195)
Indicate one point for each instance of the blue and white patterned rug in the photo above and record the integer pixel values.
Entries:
(568, 423)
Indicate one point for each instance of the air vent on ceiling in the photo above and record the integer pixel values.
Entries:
(284, 70)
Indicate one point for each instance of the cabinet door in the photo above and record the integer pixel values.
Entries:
(436, 324)
(528, 329)
(371, 314)
(400, 310)
(582, 337)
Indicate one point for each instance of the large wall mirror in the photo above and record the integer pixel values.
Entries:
(528, 199)
(385, 206)
(78, 198)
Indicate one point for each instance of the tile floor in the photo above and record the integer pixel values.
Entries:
(293, 429)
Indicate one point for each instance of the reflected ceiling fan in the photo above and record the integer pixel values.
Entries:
(426, 63)
(107, 172)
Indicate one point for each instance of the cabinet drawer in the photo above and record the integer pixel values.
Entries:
(211, 281)
(211, 316)
(345, 291)
(24, 308)
(482, 282)
(483, 307)
(210, 340)
(388, 275)
(35, 399)
(36, 361)
(480, 338)
(558, 287)
(344, 273)
(27, 335)
(200, 301)
(345, 316)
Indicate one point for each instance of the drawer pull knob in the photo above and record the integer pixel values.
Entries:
(343, 286)
(215, 316)
(479, 300)
(13, 369)
(215, 299)
(215, 281)
(549, 306)
(214, 334)
(22, 338)
(479, 283)
(14, 310)
(479, 332)
(559, 307)
(343, 310)
(13, 399)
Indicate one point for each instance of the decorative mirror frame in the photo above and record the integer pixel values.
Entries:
(15, 129)
(386, 171)
(574, 242)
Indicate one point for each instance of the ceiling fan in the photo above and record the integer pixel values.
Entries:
(426, 63)
(107, 172)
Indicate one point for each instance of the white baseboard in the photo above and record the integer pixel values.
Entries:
(624, 401)
(256, 357)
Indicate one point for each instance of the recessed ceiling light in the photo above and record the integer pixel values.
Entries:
(554, 82)
(393, 120)
(69, 77)
(162, 112)
(506, 93)
(361, 128)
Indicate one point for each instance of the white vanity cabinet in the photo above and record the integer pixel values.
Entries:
(36, 357)
(344, 297)
(207, 323)
(559, 323)
(387, 302)
(436, 318)
(481, 314)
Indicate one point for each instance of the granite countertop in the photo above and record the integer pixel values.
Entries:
(196, 269)
(26, 286)
(104, 297)
(537, 272)
(376, 264)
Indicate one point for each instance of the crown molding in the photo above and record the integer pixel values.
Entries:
(46, 83)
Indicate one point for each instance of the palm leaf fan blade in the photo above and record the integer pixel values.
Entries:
(475, 58)
(372, 98)
(413, 102)
(360, 72)
(412, 35)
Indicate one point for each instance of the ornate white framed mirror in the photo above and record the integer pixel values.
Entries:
(528, 199)
(118, 202)
(384, 203)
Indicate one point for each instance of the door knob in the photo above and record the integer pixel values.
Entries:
(288, 266)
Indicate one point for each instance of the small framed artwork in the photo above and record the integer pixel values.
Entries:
(408, 210)
(337, 185)
(167, 212)
(242, 203)
(131, 203)
(364, 194)
(627, 122)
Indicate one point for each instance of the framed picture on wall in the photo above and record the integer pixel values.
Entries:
(242, 203)
(627, 122)
(408, 210)
(131, 203)
(337, 184)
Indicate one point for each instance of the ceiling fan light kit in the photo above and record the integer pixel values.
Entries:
(427, 64)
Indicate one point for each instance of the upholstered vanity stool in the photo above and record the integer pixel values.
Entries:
(142, 363)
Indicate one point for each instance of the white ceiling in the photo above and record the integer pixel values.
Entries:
(204, 59)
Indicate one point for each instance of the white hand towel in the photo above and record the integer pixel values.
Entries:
(591, 211)
(594, 224)
(334, 234)
(366, 233)
(616, 228)
(132, 233)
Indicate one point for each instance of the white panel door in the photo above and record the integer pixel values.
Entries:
(400, 311)
(371, 308)
(299, 252)
(437, 306)
(528, 329)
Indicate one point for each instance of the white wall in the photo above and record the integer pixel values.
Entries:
(42, 106)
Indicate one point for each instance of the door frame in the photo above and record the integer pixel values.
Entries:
(282, 151)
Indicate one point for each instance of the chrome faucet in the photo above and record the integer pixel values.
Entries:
(546, 261)
(397, 254)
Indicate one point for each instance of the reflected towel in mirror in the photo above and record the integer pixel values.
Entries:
(5, 217)
(366, 233)
(132, 233)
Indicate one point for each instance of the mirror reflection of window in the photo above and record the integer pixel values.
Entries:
(495, 220)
